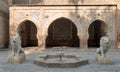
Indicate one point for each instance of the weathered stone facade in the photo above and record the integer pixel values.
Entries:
(82, 13)
(4, 26)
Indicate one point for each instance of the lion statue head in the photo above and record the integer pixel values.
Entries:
(15, 40)
(104, 41)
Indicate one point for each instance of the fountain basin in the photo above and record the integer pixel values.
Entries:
(53, 61)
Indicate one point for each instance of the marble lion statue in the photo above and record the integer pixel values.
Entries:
(16, 45)
(104, 46)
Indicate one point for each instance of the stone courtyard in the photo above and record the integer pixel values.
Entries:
(44, 25)
(29, 66)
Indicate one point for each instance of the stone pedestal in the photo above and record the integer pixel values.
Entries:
(103, 60)
(16, 59)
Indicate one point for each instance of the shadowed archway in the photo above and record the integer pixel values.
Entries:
(62, 32)
(97, 29)
(27, 31)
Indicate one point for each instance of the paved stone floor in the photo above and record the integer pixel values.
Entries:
(28, 66)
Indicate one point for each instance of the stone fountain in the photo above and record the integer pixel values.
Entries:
(60, 60)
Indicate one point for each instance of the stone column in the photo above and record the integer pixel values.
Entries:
(83, 42)
(79, 41)
(84, 39)
(41, 41)
(113, 40)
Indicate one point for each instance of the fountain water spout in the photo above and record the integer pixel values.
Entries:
(60, 56)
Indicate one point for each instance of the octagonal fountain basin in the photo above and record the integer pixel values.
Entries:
(60, 61)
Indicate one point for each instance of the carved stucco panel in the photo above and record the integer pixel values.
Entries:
(20, 16)
(50, 16)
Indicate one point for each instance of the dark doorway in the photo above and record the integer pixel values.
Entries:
(27, 31)
(62, 32)
(97, 29)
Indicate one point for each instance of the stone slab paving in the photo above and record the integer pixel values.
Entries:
(28, 66)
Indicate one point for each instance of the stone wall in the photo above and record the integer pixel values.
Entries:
(42, 17)
(4, 27)
(111, 17)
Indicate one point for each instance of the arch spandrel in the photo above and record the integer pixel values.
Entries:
(53, 18)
